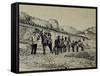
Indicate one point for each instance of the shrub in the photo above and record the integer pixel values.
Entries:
(83, 55)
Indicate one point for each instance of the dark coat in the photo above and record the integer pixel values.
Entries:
(57, 43)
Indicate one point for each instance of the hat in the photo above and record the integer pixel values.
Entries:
(34, 32)
(45, 32)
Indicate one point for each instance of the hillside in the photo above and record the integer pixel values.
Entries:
(50, 23)
(89, 32)
(71, 29)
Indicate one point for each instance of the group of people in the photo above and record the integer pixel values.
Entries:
(65, 44)
(61, 43)
(46, 40)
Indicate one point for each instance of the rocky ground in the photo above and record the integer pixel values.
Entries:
(67, 60)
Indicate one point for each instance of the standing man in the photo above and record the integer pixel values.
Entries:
(65, 44)
(69, 43)
(44, 41)
(50, 42)
(62, 44)
(80, 45)
(73, 45)
(34, 39)
(57, 45)
(77, 46)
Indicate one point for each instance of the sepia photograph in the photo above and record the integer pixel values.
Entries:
(57, 37)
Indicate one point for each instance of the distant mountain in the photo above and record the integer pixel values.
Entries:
(91, 29)
(51, 23)
(89, 32)
(70, 29)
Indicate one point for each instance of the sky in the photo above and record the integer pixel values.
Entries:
(79, 18)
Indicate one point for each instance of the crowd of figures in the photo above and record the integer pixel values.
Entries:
(61, 43)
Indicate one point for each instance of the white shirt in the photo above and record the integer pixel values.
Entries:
(34, 39)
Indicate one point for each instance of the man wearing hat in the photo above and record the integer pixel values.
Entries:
(34, 39)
